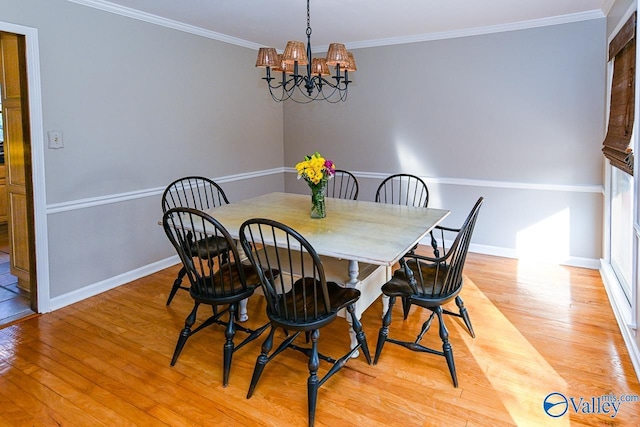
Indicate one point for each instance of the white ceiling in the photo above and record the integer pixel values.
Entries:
(357, 23)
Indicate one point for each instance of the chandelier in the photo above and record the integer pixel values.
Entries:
(312, 85)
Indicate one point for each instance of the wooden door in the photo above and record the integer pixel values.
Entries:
(17, 147)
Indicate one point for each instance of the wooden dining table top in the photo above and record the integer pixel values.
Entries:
(374, 233)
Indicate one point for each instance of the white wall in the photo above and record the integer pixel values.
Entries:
(517, 117)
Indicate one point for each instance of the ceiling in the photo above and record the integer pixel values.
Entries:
(357, 23)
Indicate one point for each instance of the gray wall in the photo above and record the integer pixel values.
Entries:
(139, 105)
(517, 117)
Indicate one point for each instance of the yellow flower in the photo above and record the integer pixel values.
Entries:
(315, 169)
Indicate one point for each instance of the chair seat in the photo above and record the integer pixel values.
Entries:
(302, 307)
(205, 247)
(431, 289)
(216, 289)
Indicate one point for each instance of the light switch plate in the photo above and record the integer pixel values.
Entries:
(55, 139)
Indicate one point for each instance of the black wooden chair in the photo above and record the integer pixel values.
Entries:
(409, 190)
(299, 300)
(343, 185)
(430, 283)
(193, 192)
(218, 281)
(403, 189)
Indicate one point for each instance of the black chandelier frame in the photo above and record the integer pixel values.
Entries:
(310, 86)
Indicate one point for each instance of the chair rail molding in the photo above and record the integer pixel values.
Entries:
(577, 188)
(107, 199)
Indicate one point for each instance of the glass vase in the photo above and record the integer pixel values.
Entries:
(318, 208)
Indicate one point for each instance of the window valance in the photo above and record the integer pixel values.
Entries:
(617, 145)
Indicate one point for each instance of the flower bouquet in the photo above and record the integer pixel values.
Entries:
(317, 171)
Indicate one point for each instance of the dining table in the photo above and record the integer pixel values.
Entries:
(359, 241)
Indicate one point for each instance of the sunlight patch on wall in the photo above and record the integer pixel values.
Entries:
(407, 159)
(546, 240)
(416, 165)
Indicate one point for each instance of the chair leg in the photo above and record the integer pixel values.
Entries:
(406, 306)
(313, 381)
(425, 327)
(446, 346)
(185, 333)
(357, 328)
(263, 358)
(384, 330)
(465, 315)
(176, 284)
(228, 345)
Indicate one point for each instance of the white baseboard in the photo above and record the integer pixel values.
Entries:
(105, 285)
(571, 261)
(590, 263)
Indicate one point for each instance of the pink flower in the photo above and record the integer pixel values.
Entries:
(330, 167)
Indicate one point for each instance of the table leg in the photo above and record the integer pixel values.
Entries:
(242, 312)
(367, 278)
(354, 270)
(385, 304)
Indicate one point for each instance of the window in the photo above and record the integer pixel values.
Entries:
(622, 228)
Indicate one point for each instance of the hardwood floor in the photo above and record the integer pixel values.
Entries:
(540, 329)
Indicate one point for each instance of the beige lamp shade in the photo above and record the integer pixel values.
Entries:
(267, 57)
(352, 63)
(319, 66)
(337, 54)
(295, 51)
(278, 66)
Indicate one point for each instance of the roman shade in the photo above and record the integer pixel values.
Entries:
(617, 143)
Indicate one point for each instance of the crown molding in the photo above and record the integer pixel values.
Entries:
(157, 20)
(164, 22)
(523, 25)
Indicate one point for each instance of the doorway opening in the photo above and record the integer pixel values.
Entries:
(18, 286)
(15, 303)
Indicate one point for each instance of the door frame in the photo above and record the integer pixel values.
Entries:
(37, 161)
